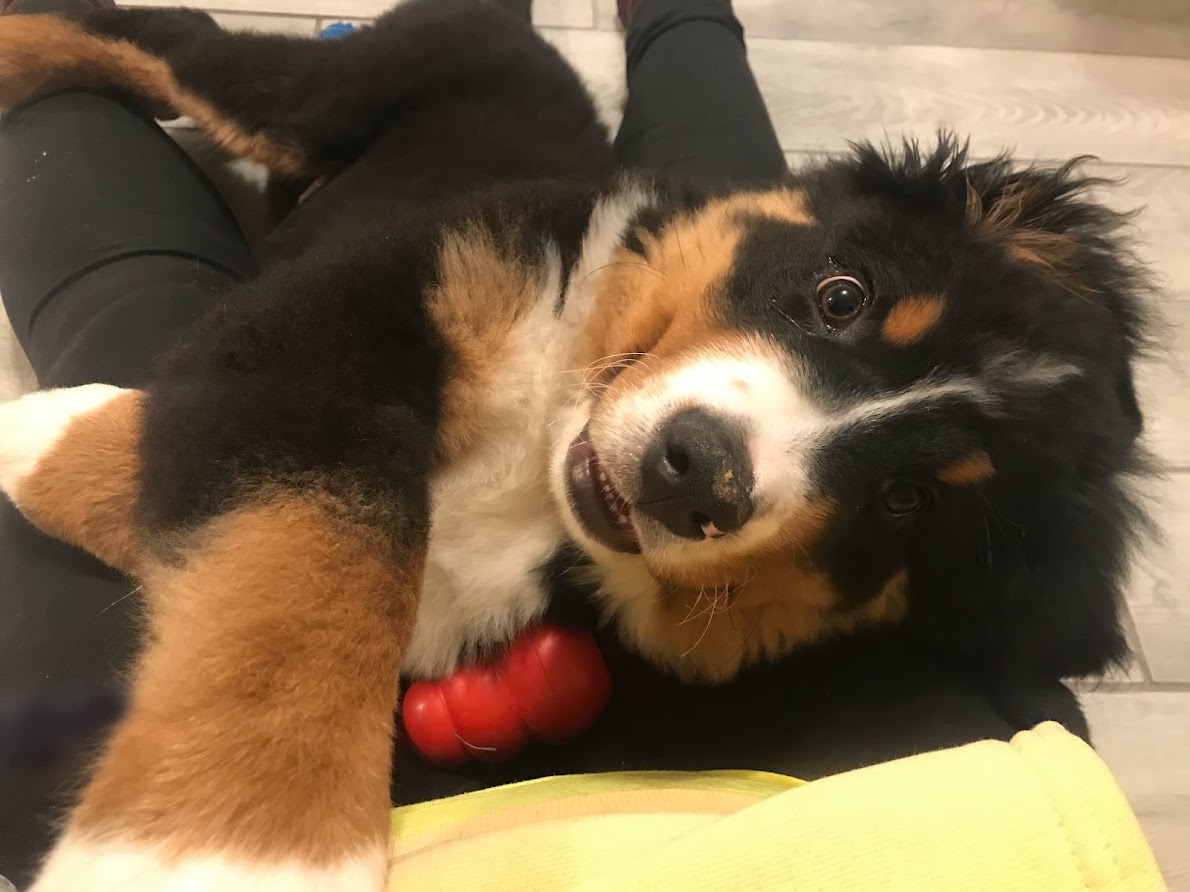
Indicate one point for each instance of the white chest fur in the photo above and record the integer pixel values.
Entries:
(495, 522)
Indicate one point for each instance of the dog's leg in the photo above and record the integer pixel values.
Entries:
(299, 106)
(68, 461)
(256, 750)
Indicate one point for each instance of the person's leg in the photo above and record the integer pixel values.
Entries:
(693, 104)
(111, 241)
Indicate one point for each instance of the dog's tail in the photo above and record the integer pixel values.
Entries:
(299, 106)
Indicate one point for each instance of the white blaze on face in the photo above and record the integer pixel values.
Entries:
(765, 390)
(752, 386)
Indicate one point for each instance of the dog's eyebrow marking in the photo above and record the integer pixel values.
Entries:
(973, 469)
(912, 319)
(1007, 372)
(787, 205)
(870, 411)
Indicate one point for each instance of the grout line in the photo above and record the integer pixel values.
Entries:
(1049, 51)
(248, 12)
(551, 27)
(597, 27)
(1142, 659)
(330, 17)
(1086, 686)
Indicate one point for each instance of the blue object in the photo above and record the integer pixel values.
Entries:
(335, 30)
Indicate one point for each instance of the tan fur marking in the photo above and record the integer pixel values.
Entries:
(41, 54)
(667, 300)
(788, 205)
(973, 469)
(84, 490)
(711, 633)
(1051, 250)
(261, 718)
(912, 319)
(886, 608)
(1002, 221)
(479, 297)
(710, 622)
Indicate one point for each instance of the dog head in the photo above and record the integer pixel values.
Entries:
(897, 389)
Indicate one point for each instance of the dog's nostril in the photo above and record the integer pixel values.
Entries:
(677, 458)
(696, 476)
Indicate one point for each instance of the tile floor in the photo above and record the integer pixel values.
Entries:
(1047, 78)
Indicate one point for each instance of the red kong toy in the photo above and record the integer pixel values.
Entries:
(549, 686)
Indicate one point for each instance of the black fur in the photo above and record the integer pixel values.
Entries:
(444, 112)
(449, 112)
(1023, 575)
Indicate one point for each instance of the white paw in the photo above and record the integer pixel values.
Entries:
(77, 864)
(31, 425)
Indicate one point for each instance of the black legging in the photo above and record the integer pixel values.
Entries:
(111, 241)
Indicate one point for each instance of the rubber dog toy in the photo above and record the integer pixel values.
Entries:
(550, 686)
(336, 29)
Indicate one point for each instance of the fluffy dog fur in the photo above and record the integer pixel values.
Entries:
(469, 351)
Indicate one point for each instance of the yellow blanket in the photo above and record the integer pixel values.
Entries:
(1041, 813)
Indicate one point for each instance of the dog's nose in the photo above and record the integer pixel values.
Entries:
(697, 476)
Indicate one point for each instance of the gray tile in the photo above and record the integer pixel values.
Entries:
(1144, 737)
(1159, 592)
(1161, 196)
(16, 376)
(1047, 105)
(1163, 382)
(564, 13)
(555, 13)
(361, 9)
(269, 24)
(1142, 27)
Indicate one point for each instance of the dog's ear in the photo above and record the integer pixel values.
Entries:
(1054, 219)
(1025, 583)
(1031, 213)
(1050, 218)
(1022, 579)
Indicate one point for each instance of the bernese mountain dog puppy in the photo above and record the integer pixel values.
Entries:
(893, 391)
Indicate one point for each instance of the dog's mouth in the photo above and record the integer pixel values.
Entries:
(604, 513)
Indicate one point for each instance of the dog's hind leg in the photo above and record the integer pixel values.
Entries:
(301, 107)
(256, 749)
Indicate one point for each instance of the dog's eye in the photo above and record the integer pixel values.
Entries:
(841, 299)
(902, 498)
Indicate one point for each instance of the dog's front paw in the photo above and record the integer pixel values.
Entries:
(108, 865)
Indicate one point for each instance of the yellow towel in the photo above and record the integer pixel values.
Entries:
(1041, 813)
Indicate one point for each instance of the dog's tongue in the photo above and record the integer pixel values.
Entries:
(549, 686)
